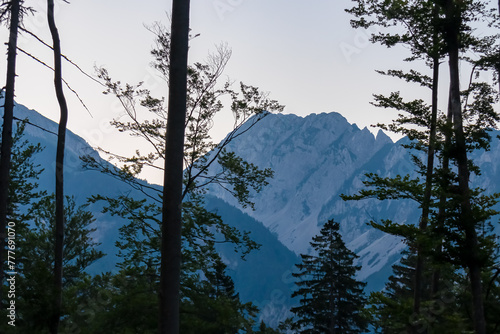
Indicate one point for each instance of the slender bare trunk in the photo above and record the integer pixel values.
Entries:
(8, 116)
(61, 141)
(169, 293)
(429, 177)
(445, 183)
(466, 222)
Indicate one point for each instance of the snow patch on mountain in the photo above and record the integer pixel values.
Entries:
(316, 158)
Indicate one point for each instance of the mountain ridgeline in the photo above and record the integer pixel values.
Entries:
(315, 159)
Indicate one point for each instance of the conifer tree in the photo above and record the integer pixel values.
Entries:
(450, 25)
(332, 300)
(263, 329)
(36, 259)
(24, 174)
(420, 22)
(216, 306)
(32, 212)
(392, 308)
(23, 191)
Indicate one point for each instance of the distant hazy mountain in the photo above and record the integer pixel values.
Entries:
(260, 278)
(77, 182)
(319, 157)
(315, 159)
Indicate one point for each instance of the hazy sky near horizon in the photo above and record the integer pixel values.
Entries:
(304, 53)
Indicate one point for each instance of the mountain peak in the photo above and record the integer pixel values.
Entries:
(381, 137)
(315, 154)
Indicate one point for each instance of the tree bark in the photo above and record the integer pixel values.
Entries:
(8, 116)
(429, 176)
(467, 224)
(429, 179)
(443, 197)
(498, 61)
(61, 142)
(169, 293)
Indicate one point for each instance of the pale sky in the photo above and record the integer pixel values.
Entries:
(303, 52)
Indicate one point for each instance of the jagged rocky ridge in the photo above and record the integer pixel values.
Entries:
(316, 159)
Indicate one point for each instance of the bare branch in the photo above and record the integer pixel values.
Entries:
(65, 82)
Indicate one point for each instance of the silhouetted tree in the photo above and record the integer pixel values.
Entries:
(332, 300)
(240, 178)
(12, 10)
(446, 31)
(420, 23)
(170, 245)
(59, 193)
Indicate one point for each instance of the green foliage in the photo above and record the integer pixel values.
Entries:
(205, 99)
(209, 303)
(331, 298)
(35, 258)
(263, 329)
(216, 308)
(23, 193)
(492, 297)
(421, 25)
(417, 18)
(242, 175)
(383, 188)
(123, 302)
(413, 298)
(392, 309)
(24, 173)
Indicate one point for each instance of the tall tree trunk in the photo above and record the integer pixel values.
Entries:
(498, 61)
(443, 197)
(467, 224)
(429, 175)
(61, 142)
(6, 148)
(429, 179)
(169, 293)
